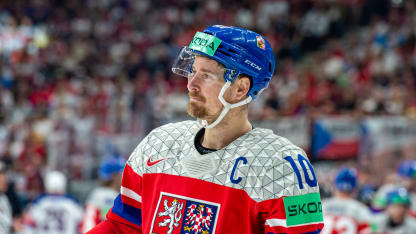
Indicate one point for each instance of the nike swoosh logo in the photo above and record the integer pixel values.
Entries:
(150, 163)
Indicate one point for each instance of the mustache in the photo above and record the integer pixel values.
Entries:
(196, 95)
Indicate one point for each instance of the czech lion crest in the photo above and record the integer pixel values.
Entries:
(183, 215)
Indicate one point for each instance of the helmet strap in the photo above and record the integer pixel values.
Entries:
(227, 107)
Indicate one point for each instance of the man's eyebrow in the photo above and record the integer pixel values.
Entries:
(207, 71)
(210, 71)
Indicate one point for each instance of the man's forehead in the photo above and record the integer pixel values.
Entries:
(202, 62)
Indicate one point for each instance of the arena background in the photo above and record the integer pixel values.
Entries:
(82, 81)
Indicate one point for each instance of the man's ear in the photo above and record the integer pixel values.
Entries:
(241, 87)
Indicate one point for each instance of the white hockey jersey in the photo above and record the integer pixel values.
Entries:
(381, 222)
(259, 183)
(413, 204)
(345, 216)
(51, 214)
(6, 217)
(97, 206)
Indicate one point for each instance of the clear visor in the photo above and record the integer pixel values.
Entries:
(183, 63)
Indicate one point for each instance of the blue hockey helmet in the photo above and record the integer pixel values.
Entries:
(346, 179)
(109, 167)
(407, 169)
(241, 51)
(398, 195)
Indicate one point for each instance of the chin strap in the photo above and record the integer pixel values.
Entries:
(227, 107)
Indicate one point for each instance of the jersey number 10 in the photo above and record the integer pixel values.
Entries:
(312, 182)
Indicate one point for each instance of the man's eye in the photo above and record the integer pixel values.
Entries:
(208, 77)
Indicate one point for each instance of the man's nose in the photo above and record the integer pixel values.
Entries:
(193, 83)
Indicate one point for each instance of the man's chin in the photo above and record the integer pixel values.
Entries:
(196, 111)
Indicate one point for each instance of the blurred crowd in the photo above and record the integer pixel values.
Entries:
(83, 80)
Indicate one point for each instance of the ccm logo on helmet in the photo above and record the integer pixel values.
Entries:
(253, 64)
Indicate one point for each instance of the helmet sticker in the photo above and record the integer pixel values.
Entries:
(260, 43)
(205, 43)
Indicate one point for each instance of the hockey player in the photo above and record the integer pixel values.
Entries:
(407, 173)
(101, 198)
(405, 177)
(218, 174)
(395, 219)
(342, 213)
(54, 212)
